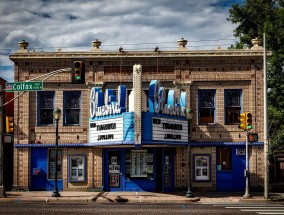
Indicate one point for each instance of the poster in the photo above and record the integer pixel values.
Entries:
(114, 181)
(202, 164)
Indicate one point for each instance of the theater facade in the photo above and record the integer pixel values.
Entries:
(124, 125)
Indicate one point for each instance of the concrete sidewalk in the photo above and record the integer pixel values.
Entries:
(137, 197)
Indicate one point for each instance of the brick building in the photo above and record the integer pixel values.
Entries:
(219, 84)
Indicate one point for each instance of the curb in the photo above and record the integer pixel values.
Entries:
(143, 200)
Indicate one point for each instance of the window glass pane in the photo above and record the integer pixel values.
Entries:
(206, 106)
(206, 115)
(46, 100)
(72, 116)
(232, 106)
(233, 98)
(72, 100)
(72, 110)
(232, 115)
(138, 163)
(224, 156)
(46, 116)
(206, 99)
(46, 106)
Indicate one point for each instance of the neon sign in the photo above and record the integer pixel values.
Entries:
(102, 105)
(157, 100)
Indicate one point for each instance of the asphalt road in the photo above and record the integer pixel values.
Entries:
(42, 208)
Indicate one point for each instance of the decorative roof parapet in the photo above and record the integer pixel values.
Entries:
(256, 44)
(182, 43)
(23, 46)
(96, 45)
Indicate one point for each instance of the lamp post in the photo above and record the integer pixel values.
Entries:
(57, 115)
(189, 116)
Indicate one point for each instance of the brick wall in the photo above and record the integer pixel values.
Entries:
(208, 70)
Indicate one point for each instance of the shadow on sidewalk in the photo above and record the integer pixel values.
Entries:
(104, 196)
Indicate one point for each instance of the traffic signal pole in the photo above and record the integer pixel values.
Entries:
(2, 188)
(247, 172)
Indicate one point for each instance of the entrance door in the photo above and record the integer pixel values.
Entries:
(115, 176)
(168, 170)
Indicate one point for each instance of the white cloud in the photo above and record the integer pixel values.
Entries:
(75, 23)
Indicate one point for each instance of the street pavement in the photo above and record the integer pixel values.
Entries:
(136, 197)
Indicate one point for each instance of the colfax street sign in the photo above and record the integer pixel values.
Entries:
(24, 86)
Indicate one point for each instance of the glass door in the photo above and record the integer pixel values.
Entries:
(115, 176)
(168, 161)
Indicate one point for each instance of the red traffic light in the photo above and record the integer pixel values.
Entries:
(253, 137)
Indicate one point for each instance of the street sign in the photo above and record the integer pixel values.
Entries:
(24, 86)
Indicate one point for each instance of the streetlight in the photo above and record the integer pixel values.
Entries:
(189, 116)
(56, 115)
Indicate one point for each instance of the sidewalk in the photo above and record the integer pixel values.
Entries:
(137, 197)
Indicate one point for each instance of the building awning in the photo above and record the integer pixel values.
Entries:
(144, 143)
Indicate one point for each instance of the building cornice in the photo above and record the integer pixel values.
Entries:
(144, 54)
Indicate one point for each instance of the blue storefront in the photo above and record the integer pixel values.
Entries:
(42, 174)
(128, 166)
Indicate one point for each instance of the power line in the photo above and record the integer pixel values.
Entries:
(130, 44)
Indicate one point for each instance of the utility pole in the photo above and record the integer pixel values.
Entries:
(265, 126)
(2, 187)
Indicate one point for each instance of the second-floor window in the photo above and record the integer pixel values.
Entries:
(72, 107)
(206, 106)
(45, 107)
(232, 106)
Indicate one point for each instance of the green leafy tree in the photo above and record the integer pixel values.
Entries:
(253, 18)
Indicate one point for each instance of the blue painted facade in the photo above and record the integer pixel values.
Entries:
(232, 180)
(161, 179)
(39, 171)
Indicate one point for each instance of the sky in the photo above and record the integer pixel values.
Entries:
(132, 24)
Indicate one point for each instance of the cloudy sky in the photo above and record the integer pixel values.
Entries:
(132, 24)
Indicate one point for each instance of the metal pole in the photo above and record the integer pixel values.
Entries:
(265, 126)
(247, 173)
(189, 193)
(2, 187)
(55, 191)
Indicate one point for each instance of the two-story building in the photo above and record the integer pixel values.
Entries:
(123, 124)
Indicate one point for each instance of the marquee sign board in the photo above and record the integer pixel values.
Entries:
(106, 130)
(170, 130)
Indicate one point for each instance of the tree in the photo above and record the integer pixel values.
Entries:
(253, 19)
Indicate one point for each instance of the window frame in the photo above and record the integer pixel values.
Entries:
(40, 94)
(65, 94)
(234, 107)
(199, 107)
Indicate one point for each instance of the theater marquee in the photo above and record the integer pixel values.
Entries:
(170, 129)
(106, 130)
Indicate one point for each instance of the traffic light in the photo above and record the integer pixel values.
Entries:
(253, 137)
(243, 121)
(78, 72)
(9, 124)
(248, 120)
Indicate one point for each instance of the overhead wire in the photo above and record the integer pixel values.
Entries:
(9, 50)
